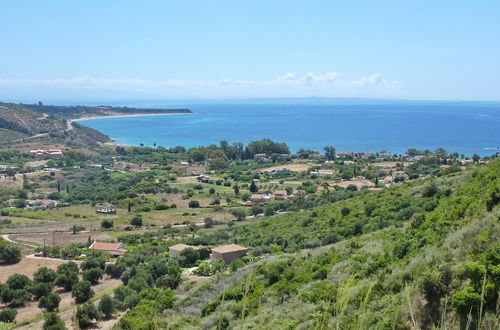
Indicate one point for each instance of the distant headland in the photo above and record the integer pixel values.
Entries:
(84, 111)
(25, 122)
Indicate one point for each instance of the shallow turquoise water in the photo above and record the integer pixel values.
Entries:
(349, 125)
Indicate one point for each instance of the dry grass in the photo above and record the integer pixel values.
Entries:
(357, 182)
(59, 238)
(292, 167)
(187, 179)
(27, 266)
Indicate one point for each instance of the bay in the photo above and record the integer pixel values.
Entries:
(349, 125)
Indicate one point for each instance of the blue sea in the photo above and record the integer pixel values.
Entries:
(349, 125)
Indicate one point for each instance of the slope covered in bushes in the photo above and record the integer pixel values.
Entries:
(434, 262)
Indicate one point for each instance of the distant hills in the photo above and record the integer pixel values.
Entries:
(19, 118)
(23, 122)
(78, 111)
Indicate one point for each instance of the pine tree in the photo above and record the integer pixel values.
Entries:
(253, 187)
(26, 184)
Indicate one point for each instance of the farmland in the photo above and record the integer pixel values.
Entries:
(145, 200)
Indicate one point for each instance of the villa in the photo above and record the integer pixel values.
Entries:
(115, 249)
(262, 158)
(105, 208)
(55, 154)
(280, 195)
(259, 198)
(228, 253)
(342, 154)
(367, 155)
(42, 154)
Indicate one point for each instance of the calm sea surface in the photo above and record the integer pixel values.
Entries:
(349, 125)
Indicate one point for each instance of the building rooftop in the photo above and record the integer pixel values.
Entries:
(180, 247)
(107, 246)
(104, 205)
(229, 248)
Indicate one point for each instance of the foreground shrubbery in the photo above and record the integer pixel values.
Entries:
(9, 253)
(425, 254)
(426, 268)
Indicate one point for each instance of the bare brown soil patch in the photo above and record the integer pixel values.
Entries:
(27, 266)
(59, 238)
(292, 167)
(187, 179)
(357, 182)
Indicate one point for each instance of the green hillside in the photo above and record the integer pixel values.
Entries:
(19, 123)
(20, 119)
(9, 135)
(422, 255)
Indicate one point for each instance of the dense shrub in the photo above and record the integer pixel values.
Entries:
(19, 297)
(96, 261)
(44, 275)
(107, 305)
(50, 302)
(8, 315)
(10, 253)
(194, 204)
(66, 280)
(115, 270)
(107, 224)
(86, 314)
(18, 281)
(136, 221)
(82, 292)
(53, 322)
(93, 275)
(40, 289)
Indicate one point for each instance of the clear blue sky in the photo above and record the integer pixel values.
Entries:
(236, 49)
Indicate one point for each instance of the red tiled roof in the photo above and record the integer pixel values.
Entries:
(103, 246)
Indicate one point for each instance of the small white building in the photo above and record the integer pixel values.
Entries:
(105, 208)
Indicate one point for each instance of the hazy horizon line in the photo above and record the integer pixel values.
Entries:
(77, 101)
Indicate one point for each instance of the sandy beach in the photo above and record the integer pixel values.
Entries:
(131, 115)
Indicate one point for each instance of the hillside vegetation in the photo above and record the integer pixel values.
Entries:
(422, 255)
(21, 119)
(19, 123)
